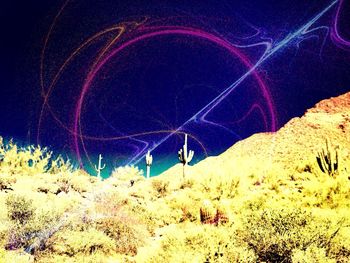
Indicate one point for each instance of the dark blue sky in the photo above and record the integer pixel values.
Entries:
(182, 62)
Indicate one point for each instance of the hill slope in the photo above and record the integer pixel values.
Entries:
(292, 147)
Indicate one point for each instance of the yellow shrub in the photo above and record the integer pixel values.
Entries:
(273, 234)
(127, 233)
(18, 256)
(6, 181)
(310, 255)
(160, 187)
(196, 243)
(19, 209)
(90, 241)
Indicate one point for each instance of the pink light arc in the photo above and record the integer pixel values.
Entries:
(168, 31)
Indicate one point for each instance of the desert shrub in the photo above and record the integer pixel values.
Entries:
(186, 203)
(15, 256)
(160, 186)
(60, 165)
(187, 183)
(30, 160)
(128, 235)
(46, 186)
(159, 213)
(64, 182)
(19, 209)
(273, 234)
(112, 214)
(340, 249)
(147, 214)
(75, 181)
(6, 182)
(28, 223)
(75, 243)
(310, 255)
(79, 258)
(127, 173)
(24, 160)
(220, 187)
(109, 204)
(196, 243)
(325, 191)
(80, 183)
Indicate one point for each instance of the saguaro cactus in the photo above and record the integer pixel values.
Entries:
(327, 162)
(185, 157)
(149, 160)
(99, 168)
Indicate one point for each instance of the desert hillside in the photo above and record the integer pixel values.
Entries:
(293, 147)
(274, 197)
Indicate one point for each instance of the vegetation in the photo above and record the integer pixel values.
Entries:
(185, 157)
(327, 162)
(53, 213)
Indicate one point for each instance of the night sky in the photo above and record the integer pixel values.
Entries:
(123, 77)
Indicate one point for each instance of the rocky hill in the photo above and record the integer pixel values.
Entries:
(292, 147)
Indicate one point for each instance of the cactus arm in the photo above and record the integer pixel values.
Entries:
(103, 167)
(181, 156)
(319, 162)
(336, 161)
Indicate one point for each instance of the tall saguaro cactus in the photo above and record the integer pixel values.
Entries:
(149, 160)
(185, 157)
(99, 168)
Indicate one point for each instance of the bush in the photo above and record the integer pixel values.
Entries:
(273, 234)
(125, 173)
(15, 257)
(128, 235)
(19, 209)
(74, 243)
(28, 225)
(197, 243)
(30, 160)
(6, 182)
(340, 249)
(327, 191)
(160, 186)
(310, 255)
(220, 187)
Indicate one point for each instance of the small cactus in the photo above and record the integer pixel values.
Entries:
(184, 156)
(99, 168)
(220, 217)
(210, 215)
(326, 161)
(149, 160)
(206, 213)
